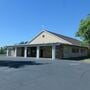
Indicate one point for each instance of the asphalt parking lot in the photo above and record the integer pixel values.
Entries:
(44, 75)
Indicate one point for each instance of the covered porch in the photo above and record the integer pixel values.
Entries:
(38, 51)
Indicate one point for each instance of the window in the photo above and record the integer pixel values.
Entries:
(82, 50)
(75, 50)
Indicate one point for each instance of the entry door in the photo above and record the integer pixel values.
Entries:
(41, 52)
(33, 51)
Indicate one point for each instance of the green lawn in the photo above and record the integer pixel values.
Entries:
(2, 54)
(86, 60)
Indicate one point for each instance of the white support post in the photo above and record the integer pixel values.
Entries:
(7, 52)
(53, 52)
(25, 52)
(15, 51)
(38, 52)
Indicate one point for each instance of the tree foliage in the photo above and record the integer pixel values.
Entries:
(2, 50)
(84, 30)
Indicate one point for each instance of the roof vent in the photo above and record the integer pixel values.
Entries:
(43, 36)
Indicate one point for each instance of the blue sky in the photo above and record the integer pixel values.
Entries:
(20, 20)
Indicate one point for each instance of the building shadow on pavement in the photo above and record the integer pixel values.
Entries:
(18, 64)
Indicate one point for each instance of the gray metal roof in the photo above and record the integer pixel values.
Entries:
(30, 45)
(69, 39)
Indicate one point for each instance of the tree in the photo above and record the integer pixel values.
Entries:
(84, 30)
(2, 50)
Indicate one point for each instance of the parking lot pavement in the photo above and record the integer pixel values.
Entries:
(51, 75)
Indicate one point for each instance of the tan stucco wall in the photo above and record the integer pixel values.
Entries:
(11, 52)
(49, 38)
(67, 51)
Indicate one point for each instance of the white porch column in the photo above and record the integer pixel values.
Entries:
(15, 51)
(25, 52)
(53, 52)
(7, 52)
(38, 51)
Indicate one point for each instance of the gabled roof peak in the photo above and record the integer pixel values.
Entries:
(45, 30)
(66, 38)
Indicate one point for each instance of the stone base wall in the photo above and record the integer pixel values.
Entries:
(69, 53)
(46, 52)
(20, 51)
(59, 52)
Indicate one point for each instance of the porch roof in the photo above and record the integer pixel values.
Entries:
(28, 45)
(42, 44)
